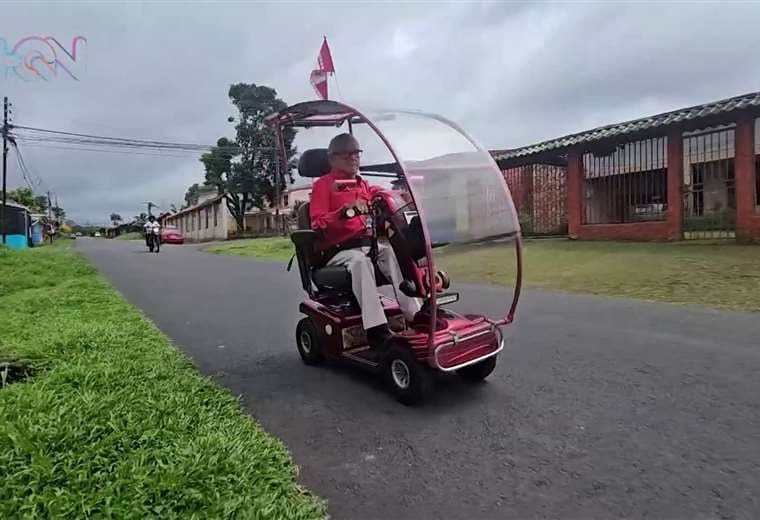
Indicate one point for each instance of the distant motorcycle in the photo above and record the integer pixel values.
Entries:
(153, 238)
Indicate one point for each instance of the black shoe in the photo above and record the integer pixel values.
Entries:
(377, 337)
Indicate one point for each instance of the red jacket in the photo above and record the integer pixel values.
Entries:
(327, 201)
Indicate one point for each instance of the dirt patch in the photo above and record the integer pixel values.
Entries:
(14, 372)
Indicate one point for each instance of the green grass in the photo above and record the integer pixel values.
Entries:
(271, 248)
(114, 422)
(719, 274)
(132, 235)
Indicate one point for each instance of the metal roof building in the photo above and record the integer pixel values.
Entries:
(687, 173)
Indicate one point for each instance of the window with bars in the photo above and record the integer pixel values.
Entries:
(709, 171)
(627, 183)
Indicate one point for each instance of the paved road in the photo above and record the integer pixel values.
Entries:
(600, 408)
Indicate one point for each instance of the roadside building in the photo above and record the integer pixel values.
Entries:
(210, 218)
(17, 226)
(687, 174)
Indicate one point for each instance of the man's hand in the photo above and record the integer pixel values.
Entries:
(361, 206)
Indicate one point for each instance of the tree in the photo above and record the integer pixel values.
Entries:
(26, 197)
(191, 195)
(244, 169)
(115, 218)
(58, 212)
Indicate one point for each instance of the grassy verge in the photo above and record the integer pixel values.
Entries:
(721, 275)
(133, 235)
(271, 248)
(115, 423)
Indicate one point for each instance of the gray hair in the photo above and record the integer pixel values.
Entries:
(343, 143)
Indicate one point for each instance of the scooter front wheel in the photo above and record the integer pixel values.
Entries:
(410, 381)
(479, 371)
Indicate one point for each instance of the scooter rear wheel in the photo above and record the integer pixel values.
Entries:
(309, 342)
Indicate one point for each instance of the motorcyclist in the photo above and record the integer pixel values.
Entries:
(152, 230)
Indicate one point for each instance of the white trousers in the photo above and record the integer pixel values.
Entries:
(364, 284)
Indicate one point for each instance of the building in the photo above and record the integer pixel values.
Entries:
(687, 174)
(17, 226)
(210, 218)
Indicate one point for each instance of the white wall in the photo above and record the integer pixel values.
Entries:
(193, 223)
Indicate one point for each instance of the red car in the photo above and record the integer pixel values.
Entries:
(172, 235)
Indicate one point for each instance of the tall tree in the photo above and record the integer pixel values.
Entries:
(191, 195)
(244, 169)
(26, 197)
(115, 218)
(58, 212)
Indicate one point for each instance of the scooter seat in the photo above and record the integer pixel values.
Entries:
(336, 278)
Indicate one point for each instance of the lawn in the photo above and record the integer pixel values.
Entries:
(273, 248)
(132, 235)
(719, 274)
(113, 421)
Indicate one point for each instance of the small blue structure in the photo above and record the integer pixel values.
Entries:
(38, 229)
(17, 226)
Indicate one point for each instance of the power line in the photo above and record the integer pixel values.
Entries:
(42, 134)
(23, 171)
(103, 150)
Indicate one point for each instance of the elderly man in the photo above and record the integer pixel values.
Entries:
(348, 239)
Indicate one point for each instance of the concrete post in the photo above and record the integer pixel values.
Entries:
(747, 219)
(674, 214)
(575, 195)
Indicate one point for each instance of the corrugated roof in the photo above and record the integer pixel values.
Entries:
(647, 123)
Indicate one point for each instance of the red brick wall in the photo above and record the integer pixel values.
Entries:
(644, 231)
(540, 196)
(747, 219)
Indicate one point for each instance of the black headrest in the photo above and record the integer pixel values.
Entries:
(313, 163)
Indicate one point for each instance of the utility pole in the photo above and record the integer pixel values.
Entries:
(50, 219)
(5, 163)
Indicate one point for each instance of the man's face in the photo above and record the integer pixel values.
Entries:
(346, 161)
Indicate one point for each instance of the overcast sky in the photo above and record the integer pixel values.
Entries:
(510, 73)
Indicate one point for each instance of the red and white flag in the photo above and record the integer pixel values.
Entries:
(324, 67)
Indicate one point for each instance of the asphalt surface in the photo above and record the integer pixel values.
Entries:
(599, 407)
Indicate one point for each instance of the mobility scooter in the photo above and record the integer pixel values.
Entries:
(443, 191)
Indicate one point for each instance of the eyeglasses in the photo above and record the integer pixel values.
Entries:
(346, 155)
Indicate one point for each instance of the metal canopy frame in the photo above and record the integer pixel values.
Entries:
(327, 113)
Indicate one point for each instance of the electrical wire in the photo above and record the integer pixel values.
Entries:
(27, 133)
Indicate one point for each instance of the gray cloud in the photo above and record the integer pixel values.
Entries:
(512, 73)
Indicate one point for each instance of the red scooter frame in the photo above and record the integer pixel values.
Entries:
(332, 329)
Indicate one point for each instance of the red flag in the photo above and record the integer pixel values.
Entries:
(324, 61)
(319, 82)
(324, 66)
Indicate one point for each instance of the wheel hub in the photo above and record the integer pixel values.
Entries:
(306, 342)
(400, 374)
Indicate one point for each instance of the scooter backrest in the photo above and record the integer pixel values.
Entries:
(303, 218)
(313, 163)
